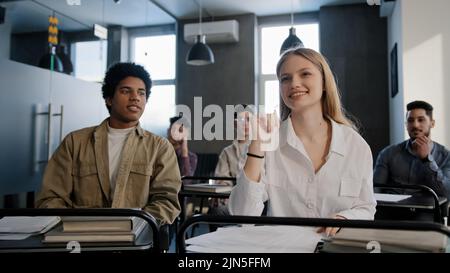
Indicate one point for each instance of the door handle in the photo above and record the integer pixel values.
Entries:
(50, 114)
(61, 115)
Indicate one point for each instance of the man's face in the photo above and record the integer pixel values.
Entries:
(128, 103)
(418, 123)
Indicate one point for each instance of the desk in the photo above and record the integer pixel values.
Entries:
(422, 201)
(290, 221)
(147, 240)
(183, 194)
(33, 244)
(416, 201)
(419, 207)
(200, 179)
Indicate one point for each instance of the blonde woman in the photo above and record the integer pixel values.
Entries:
(322, 167)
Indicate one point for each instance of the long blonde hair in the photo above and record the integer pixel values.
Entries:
(331, 102)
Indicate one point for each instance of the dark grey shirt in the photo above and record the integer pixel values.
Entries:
(398, 164)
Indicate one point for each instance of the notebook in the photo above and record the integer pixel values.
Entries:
(57, 235)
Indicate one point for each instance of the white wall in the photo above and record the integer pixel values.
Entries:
(424, 61)
(5, 38)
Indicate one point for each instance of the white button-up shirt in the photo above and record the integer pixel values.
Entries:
(343, 185)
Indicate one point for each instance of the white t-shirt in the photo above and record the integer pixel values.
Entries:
(116, 141)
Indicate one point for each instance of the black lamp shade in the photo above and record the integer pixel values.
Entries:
(291, 41)
(200, 53)
(45, 62)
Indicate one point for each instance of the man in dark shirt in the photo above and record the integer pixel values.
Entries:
(418, 160)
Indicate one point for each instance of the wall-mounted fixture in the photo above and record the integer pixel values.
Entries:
(200, 53)
(217, 32)
(292, 40)
(50, 60)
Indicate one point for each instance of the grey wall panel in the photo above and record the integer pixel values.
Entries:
(5, 38)
(354, 40)
(24, 90)
(230, 80)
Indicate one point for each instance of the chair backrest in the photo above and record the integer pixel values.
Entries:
(206, 164)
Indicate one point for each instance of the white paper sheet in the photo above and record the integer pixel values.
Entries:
(14, 236)
(27, 224)
(390, 197)
(257, 239)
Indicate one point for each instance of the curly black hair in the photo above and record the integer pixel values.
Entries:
(120, 71)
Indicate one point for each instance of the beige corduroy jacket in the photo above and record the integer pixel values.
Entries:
(77, 175)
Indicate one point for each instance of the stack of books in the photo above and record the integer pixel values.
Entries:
(96, 229)
(385, 241)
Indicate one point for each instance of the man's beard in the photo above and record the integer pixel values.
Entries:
(425, 133)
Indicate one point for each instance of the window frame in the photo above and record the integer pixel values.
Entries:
(277, 21)
(73, 55)
(149, 31)
(159, 30)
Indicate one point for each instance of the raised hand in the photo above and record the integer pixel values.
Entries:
(264, 130)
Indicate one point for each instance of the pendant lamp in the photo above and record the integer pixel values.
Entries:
(292, 40)
(200, 53)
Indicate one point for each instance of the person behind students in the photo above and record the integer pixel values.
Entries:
(418, 160)
(178, 135)
(322, 167)
(116, 164)
(232, 158)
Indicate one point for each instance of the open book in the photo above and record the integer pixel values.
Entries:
(391, 240)
(99, 223)
(58, 235)
(206, 187)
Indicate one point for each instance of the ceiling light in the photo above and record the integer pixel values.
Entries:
(200, 53)
(292, 40)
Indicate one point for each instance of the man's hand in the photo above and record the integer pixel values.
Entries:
(330, 231)
(421, 146)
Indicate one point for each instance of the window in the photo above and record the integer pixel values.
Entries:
(157, 53)
(90, 60)
(271, 40)
(160, 107)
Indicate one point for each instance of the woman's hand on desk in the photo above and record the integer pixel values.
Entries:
(331, 231)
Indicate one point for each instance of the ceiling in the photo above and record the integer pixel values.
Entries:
(188, 9)
(31, 15)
